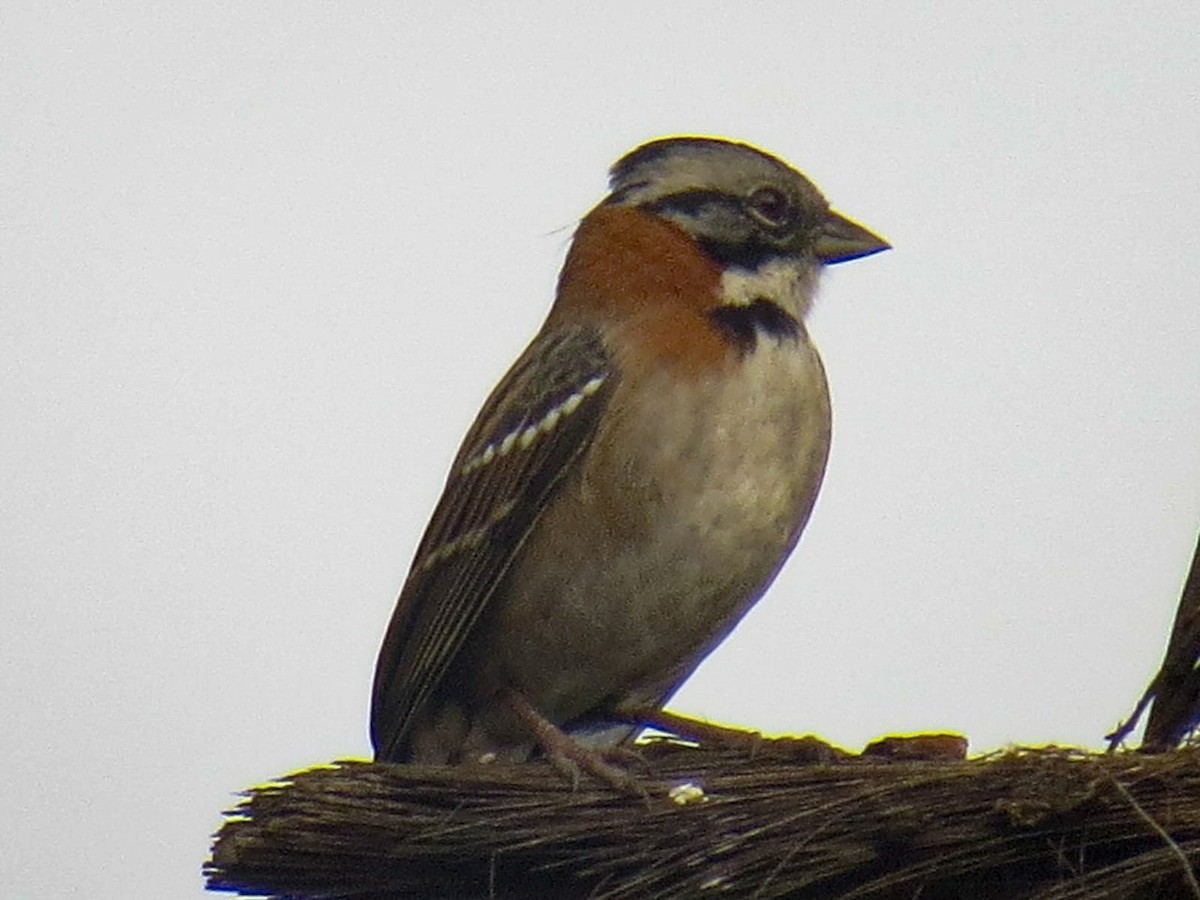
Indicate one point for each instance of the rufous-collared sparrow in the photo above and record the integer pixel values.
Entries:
(636, 480)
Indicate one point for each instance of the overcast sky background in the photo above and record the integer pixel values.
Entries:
(261, 263)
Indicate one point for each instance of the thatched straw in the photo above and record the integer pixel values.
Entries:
(1030, 824)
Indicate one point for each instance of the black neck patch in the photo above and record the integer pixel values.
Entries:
(741, 325)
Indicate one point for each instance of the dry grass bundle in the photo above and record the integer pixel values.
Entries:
(1031, 824)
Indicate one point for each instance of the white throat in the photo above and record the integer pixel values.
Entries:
(790, 283)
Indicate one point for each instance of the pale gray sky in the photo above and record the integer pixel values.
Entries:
(260, 264)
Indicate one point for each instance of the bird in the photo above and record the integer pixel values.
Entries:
(635, 482)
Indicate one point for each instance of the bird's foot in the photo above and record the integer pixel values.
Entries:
(626, 756)
(807, 749)
(569, 757)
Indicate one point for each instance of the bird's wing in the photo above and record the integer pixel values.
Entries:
(530, 434)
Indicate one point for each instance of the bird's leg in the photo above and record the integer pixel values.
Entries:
(564, 753)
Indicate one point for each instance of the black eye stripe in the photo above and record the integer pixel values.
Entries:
(690, 202)
(770, 206)
(748, 251)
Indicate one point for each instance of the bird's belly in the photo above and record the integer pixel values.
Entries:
(672, 529)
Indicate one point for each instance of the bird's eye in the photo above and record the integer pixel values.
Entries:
(770, 206)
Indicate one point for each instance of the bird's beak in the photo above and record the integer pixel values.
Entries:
(841, 240)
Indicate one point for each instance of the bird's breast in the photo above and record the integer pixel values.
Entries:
(722, 470)
(692, 495)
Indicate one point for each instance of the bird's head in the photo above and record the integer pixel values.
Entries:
(754, 215)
